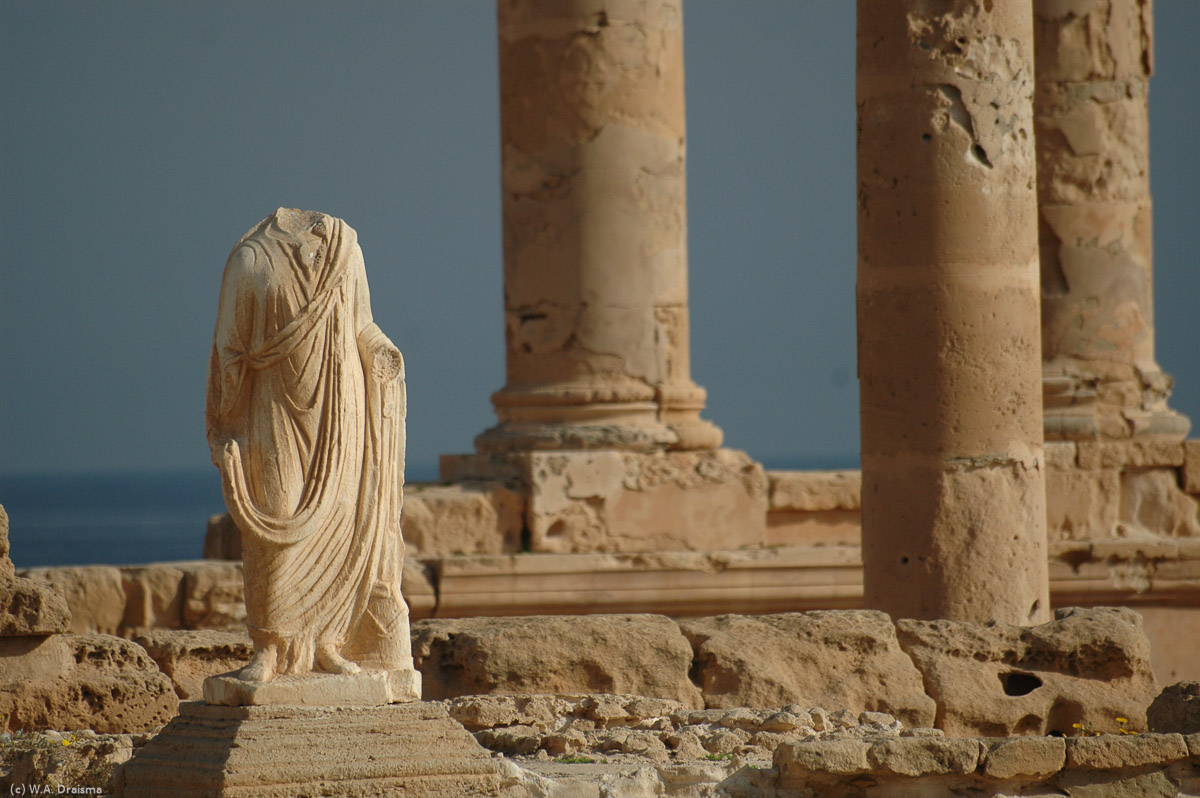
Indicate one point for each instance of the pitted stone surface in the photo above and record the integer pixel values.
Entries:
(639, 654)
(1088, 666)
(1176, 709)
(69, 681)
(808, 658)
(27, 607)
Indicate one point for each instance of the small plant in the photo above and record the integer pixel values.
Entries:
(574, 760)
(1085, 729)
(719, 757)
(1121, 727)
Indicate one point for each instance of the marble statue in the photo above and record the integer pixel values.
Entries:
(305, 417)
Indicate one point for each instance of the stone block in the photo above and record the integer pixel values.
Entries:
(1176, 710)
(814, 508)
(214, 595)
(813, 527)
(7, 571)
(614, 501)
(629, 654)
(411, 751)
(804, 658)
(1191, 467)
(95, 595)
(1141, 453)
(463, 518)
(841, 757)
(28, 606)
(189, 657)
(1153, 503)
(367, 688)
(31, 608)
(1173, 632)
(92, 681)
(675, 583)
(1061, 455)
(1024, 757)
(1113, 751)
(814, 491)
(154, 597)
(924, 756)
(622, 501)
(222, 539)
(1086, 666)
(1081, 504)
(417, 588)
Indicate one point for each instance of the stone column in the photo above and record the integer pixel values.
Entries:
(953, 499)
(595, 230)
(1093, 63)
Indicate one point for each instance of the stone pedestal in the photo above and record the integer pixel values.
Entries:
(595, 230)
(401, 750)
(367, 688)
(1100, 377)
(953, 494)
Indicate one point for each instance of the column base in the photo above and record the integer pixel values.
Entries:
(1109, 402)
(513, 436)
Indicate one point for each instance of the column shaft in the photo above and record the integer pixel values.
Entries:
(1093, 65)
(954, 514)
(595, 229)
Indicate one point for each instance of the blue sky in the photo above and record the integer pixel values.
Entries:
(139, 140)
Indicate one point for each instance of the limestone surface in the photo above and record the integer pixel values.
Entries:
(625, 728)
(592, 142)
(841, 658)
(305, 417)
(634, 654)
(953, 491)
(1176, 710)
(69, 681)
(1093, 66)
(189, 657)
(95, 595)
(27, 607)
(412, 750)
(587, 501)
(476, 517)
(1087, 666)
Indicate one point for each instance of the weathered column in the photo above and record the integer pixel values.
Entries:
(595, 228)
(1094, 60)
(953, 504)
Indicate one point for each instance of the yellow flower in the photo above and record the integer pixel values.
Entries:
(1122, 720)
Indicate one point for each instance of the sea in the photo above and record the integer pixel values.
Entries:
(110, 518)
(115, 518)
(129, 518)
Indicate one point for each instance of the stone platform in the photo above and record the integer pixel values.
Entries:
(368, 688)
(266, 752)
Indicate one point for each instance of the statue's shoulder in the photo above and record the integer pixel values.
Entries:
(248, 264)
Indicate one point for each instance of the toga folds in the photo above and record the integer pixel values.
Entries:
(305, 419)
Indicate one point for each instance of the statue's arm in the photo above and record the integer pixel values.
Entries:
(380, 357)
(233, 337)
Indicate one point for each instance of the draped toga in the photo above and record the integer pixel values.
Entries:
(305, 418)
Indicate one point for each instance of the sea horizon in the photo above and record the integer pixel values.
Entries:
(134, 517)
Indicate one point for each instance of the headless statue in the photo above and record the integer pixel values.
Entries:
(305, 418)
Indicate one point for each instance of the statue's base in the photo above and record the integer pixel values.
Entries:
(367, 688)
(406, 750)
